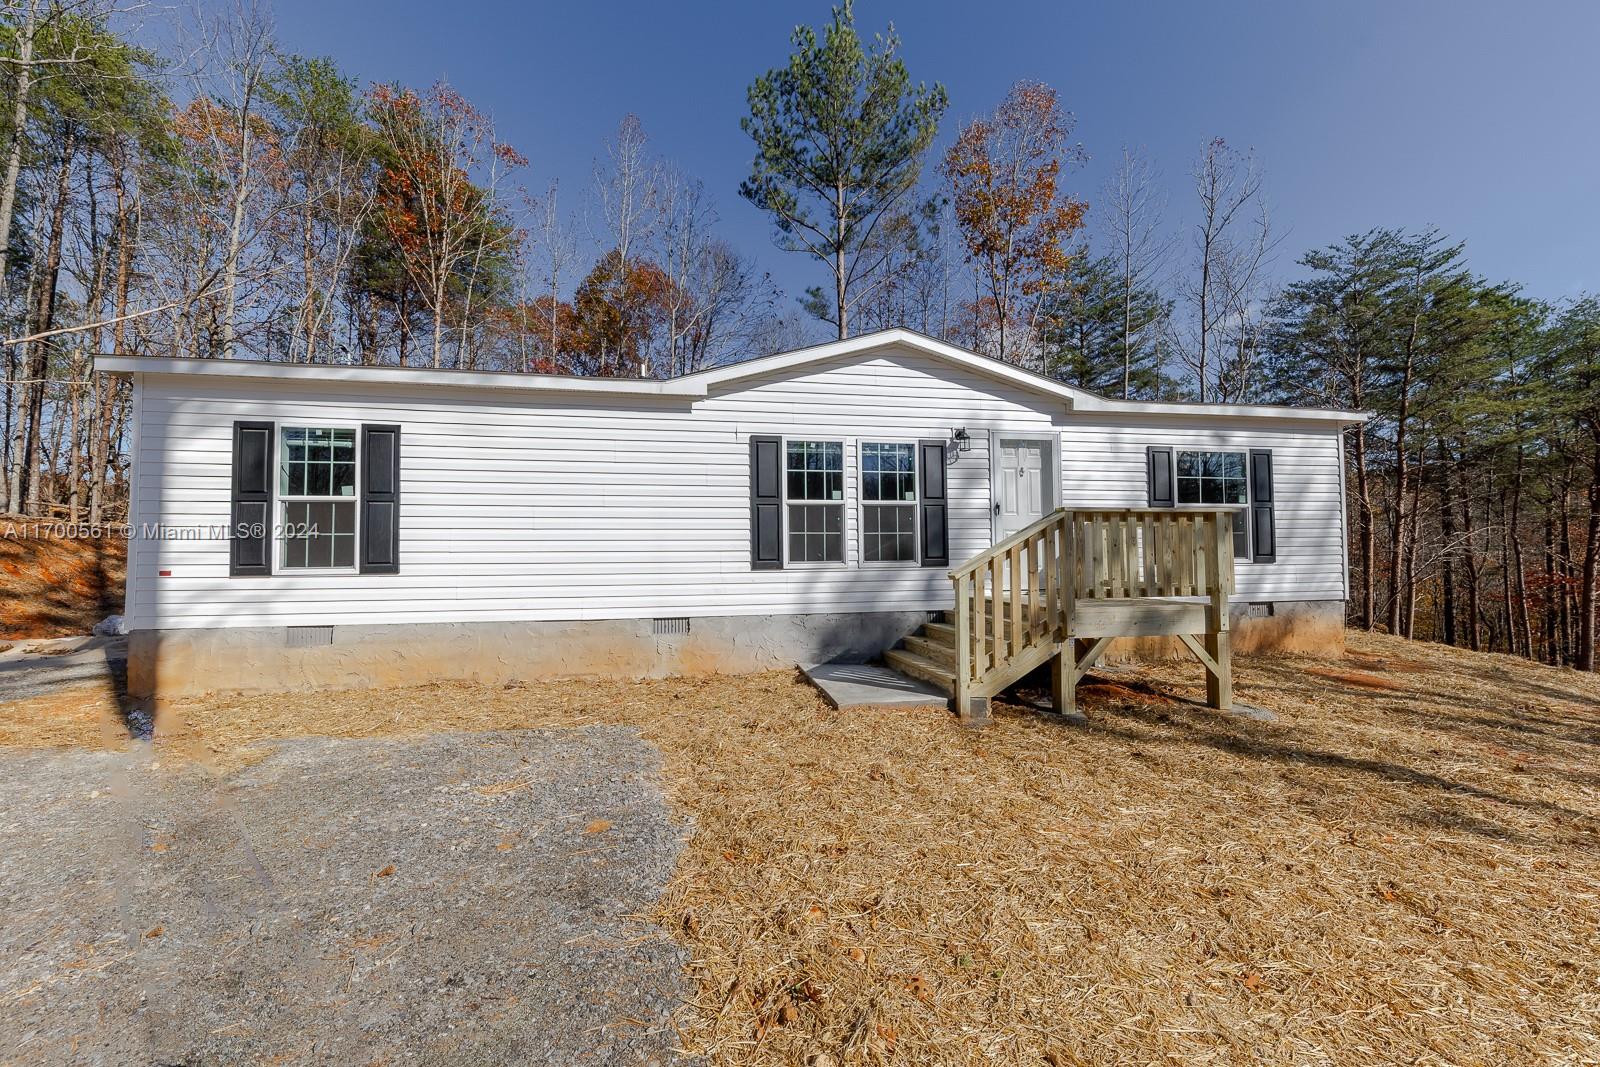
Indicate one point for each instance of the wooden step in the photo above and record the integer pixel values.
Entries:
(940, 652)
(915, 666)
(942, 632)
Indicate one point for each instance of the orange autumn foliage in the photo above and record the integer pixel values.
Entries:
(1004, 173)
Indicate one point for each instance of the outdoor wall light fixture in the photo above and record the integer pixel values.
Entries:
(962, 439)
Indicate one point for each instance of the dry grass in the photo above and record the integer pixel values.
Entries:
(85, 716)
(1404, 874)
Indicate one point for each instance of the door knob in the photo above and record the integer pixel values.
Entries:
(997, 507)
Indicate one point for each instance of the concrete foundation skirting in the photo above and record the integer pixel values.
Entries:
(1308, 627)
(181, 663)
(185, 663)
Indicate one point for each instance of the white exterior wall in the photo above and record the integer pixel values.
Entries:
(534, 507)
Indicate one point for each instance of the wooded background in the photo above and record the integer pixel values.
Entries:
(224, 199)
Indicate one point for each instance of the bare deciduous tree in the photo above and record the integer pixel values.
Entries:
(1232, 242)
(1138, 245)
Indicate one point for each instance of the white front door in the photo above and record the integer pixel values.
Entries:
(1020, 485)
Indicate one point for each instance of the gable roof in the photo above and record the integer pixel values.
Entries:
(700, 383)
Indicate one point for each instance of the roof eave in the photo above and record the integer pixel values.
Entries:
(410, 376)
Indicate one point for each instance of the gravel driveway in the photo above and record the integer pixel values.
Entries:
(437, 899)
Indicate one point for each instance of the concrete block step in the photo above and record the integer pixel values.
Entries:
(920, 667)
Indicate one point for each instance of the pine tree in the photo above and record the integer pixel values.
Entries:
(840, 135)
(1084, 332)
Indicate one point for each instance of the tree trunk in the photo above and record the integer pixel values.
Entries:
(1548, 616)
(1447, 570)
(38, 364)
(1569, 606)
(1519, 573)
(19, 135)
(1469, 560)
(1506, 613)
(841, 272)
(241, 195)
(1591, 565)
(1365, 518)
(100, 460)
(1409, 605)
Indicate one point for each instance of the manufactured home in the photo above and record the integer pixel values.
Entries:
(351, 525)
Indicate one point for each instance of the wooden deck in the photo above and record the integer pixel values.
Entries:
(1066, 587)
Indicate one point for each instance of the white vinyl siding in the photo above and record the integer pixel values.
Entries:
(533, 506)
(1105, 466)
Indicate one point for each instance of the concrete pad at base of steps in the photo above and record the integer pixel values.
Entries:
(858, 685)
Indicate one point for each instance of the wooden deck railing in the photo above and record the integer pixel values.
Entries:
(1014, 603)
(1151, 552)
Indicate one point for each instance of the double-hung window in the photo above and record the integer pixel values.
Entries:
(814, 484)
(317, 497)
(1218, 478)
(888, 503)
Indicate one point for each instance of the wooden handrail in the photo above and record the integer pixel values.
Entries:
(1015, 601)
(1005, 546)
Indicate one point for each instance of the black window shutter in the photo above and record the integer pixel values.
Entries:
(1159, 477)
(766, 503)
(249, 549)
(380, 499)
(1263, 531)
(933, 502)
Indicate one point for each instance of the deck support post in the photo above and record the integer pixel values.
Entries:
(973, 710)
(1064, 678)
(1219, 674)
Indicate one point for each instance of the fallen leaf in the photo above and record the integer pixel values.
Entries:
(814, 913)
(1252, 981)
(386, 872)
(155, 931)
(889, 1034)
(505, 845)
(917, 986)
(599, 826)
(858, 956)
(727, 855)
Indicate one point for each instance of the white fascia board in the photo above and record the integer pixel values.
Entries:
(1075, 399)
(698, 384)
(408, 376)
(867, 342)
(1224, 411)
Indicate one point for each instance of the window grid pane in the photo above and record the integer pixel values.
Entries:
(1217, 478)
(319, 534)
(889, 533)
(815, 470)
(888, 472)
(816, 533)
(318, 462)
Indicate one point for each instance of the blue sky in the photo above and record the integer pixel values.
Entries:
(1480, 118)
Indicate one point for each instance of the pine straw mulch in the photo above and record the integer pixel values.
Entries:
(1406, 873)
(56, 585)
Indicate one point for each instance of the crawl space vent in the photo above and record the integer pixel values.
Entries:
(309, 636)
(669, 627)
